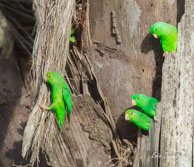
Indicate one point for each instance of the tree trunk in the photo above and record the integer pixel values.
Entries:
(171, 139)
(49, 54)
(177, 104)
(118, 58)
(86, 141)
(134, 65)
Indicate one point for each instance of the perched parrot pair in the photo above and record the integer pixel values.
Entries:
(72, 38)
(148, 106)
(61, 97)
(168, 36)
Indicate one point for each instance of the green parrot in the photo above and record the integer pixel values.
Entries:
(168, 36)
(72, 38)
(61, 97)
(138, 118)
(146, 103)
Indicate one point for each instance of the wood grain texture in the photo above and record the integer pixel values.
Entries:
(86, 141)
(178, 98)
(134, 66)
(49, 54)
(172, 143)
(107, 68)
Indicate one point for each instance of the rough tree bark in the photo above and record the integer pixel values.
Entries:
(134, 65)
(86, 141)
(177, 104)
(171, 139)
(50, 54)
(116, 59)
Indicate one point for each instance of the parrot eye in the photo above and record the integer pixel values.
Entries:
(131, 113)
(156, 29)
(49, 76)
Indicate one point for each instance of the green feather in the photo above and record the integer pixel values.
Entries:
(138, 118)
(167, 34)
(61, 96)
(72, 39)
(72, 31)
(67, 100)
(146, 103)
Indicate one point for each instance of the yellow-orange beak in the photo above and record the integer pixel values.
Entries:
(133, 102)
(155, 36)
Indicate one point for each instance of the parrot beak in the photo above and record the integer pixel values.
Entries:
(133, 102)
(46, 79)
(126, 117)
(155, 36)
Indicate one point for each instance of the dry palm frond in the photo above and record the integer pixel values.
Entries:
(125, 158)
(20, 20)
(6, 39)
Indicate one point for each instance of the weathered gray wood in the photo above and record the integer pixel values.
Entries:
(86, 140)
(148, 145)
(134, 65)
(122, 70)
(177, 98)
(171, 143)
(51, 49)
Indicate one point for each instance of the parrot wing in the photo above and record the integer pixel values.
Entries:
(153, 107)
(153, 103)
(67, 99)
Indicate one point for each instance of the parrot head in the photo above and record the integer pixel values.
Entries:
(157, 29)
(53, 77)
(138, 99)
(130, 114)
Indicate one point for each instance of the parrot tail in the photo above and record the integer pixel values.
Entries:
(68, 117)
(61, 125)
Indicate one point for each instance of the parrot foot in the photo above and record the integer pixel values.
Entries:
(155, 119)
(165, 54)
(43, 107)
(174, 53)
